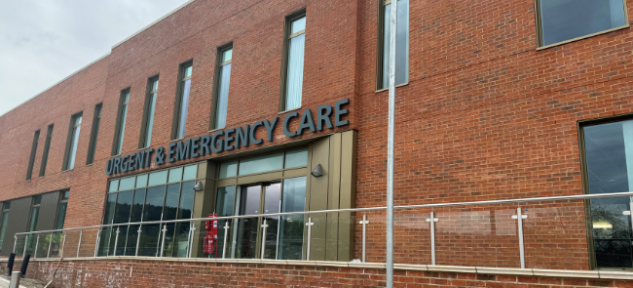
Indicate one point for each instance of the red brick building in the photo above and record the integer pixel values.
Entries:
(496, 100)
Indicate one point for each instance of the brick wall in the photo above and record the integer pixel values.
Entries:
(129, 273)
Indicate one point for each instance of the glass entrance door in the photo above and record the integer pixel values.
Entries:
(245, 244)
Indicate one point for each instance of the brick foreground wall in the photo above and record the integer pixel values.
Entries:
(145, 273)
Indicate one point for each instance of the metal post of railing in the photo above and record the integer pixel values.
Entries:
(265, 225)
(520, 218)
(364, 223)
(81, 232)
(116, 240)
(162, 246)
(309, 224)
(432, 220)
(50, 243)
(37, 243)
(391, 138)
(191, 235)
(226, 233)
(138, 240)
(15, 242)
(61, 252)
(97, 243)
(25, 244)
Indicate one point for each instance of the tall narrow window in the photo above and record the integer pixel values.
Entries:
(148, 113)
(5, 221)
(47, 146)
(182, 104)
(61, 211)
(222, 92)
(296, 28)
(402, 43)
(92, 148)
(73, 139)
(119, 132)
(36, 138)
(564, 20)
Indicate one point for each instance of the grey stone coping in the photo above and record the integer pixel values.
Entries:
(584, 274)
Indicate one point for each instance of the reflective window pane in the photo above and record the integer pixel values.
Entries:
(563, 20)
(261, 164)
(227, 55)
(296, 158)
(157, 178)
(175, 175)
(291, 227)
(127, 183)
(185, 208)
(609, 164)
(402, 44)
(123, 206)
(171, 202)
(154, 203)
(298, 25)
(228, 170)
(114, 186)
(109, 209)
(294, 73)
(141, 181)
(137, 205)
(190, 173)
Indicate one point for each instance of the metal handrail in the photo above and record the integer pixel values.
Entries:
(435, 205)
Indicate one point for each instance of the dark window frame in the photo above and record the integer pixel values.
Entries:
(94, 134)
(593, 264)
(119, 118)
(146, 107)
(36, 139)
(69, 143)
(179, 96)
(216, 84)
(539, 30)
(47, 146)
(286, 54)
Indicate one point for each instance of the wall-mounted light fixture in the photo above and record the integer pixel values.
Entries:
(198, 187)
(318, 171)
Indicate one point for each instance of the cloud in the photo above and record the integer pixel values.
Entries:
(44, 41)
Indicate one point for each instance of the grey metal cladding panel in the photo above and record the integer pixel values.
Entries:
(18, 222)
(48, 211)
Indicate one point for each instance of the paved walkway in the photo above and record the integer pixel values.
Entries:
(24, 282)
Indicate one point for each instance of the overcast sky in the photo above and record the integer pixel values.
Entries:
(44, 41)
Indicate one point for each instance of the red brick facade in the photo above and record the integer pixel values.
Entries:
(485, 115)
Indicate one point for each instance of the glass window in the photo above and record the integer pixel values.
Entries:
(294, 68)
(151, 109)
(141, 181)
(190, 173)
(108, 215)
(291, 227)
(223, 89)
(137, 205)
(228, 170)
(154, 201)
(261, 164)
(296, 158)
(175, 175)
(609, 166)
(3, 229)
(157, 178)
(114, 186)
(36, 138)
(74, 140)
(171, 202)
(61, 211)
(402, 43)
(127, 183)
(47, 146)
(123, 206)
(94, 134)
(125, 99)
(185, 208)
(562, 20)
(184, 102)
